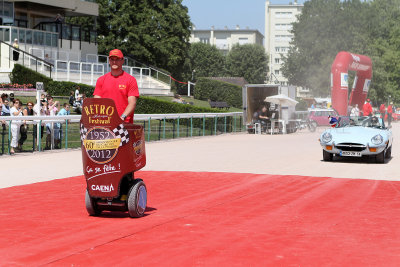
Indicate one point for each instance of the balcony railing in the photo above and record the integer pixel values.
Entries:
(7, 60)
(28, 36)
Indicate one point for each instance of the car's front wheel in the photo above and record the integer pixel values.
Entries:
(327, 156)
(380, 158)
(388, 154)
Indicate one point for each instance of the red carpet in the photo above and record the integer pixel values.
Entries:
(207, 219)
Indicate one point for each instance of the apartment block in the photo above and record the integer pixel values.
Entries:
(278, 24)
(224, 39)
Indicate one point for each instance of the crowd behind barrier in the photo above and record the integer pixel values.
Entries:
(65, 130)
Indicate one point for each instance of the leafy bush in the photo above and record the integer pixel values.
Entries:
(64, 88)
(207, 89)
(23, 75)
(151, 105)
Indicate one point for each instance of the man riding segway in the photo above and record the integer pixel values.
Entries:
(113, 147)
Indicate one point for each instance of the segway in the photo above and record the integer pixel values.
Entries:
(112, 151)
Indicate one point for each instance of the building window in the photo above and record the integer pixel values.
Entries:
(277, 60)
(277, 49)
(205, 40)
(243, 41)
(222, 44)
(283, 26)
(283, 38)
(276, 72)
(283, 14)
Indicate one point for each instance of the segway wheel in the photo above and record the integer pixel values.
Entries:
(137, 200)
(90, 205)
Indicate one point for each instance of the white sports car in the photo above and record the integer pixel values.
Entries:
(357, 137)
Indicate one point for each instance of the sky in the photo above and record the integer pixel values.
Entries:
(221, 13)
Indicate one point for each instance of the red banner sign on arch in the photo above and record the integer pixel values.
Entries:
(344, 62)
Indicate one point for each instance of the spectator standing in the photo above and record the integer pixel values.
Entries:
(367, 108)
(3, 97)
(59, 19)
(349, 108)
(27, 111)
(51, 111)
(77, 92)
(382, 110)
(15, 111)
(43, 97)
(355, 112)
(15, 51)
(71, 99)
(58, 126)
(5, 108)
(390, 113)
(2, 122)
(40, 109)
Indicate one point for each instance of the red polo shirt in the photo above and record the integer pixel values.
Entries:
(118, 89)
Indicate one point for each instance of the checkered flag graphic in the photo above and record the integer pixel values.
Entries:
(121, 132)
(83, 132)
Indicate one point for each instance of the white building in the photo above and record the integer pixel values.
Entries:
(278, 23)
(225, 39)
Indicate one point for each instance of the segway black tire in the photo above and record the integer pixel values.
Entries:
(90, 205)
(137, 199)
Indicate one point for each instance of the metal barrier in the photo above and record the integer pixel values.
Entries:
(64, 131)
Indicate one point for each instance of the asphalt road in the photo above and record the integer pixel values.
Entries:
(292, 154)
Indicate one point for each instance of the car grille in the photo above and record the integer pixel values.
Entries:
(351, 147)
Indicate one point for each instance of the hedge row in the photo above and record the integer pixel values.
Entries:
(65, 88)
(23, 75)
(151, 105)
(207, 89)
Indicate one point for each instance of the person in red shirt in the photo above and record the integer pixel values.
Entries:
(382, 110)
(119, 86)
(390, 112)
(367, 108)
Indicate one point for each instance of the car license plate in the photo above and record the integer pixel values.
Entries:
(350, 153)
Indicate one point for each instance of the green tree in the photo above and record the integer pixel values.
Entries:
(324, 28)
(384, 50)
(205, 61)
(153, 32)
(248, 61)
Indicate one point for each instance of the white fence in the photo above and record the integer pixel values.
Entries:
(156, 126)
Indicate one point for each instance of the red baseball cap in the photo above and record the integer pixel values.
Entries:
(116, 53)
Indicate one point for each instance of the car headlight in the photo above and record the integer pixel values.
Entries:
(377, 139)
(326, 137)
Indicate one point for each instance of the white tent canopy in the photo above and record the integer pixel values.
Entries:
(281, 100)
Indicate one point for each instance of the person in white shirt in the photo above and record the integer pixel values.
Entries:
(77, 92)
(52, 109)
(16, 110)
(355, 112)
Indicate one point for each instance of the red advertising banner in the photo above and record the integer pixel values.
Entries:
(111, 148)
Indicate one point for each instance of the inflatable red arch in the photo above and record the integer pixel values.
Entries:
(344, 62)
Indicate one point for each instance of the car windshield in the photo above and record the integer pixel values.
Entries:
(373, 122)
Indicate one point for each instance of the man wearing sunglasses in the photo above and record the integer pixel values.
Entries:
(119, 86)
